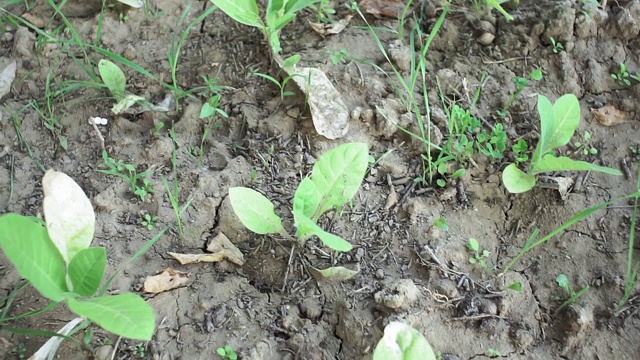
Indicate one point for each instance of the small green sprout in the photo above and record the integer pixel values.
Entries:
(572, 296)
(521, 83)
(520, 151)
(478, 257)
(557, 46)
(493, 353)
(149, 221)
(227, 353)
(441, 223)
(139, 183)
(585, 147)
(139, 350)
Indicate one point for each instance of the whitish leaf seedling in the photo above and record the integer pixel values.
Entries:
(402, 342)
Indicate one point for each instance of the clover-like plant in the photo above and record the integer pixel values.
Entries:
(335, 179)
(56, 259)
(558, 122)
(402, 342)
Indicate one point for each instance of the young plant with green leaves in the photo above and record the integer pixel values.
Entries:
(57, 260)
(557, 46)
(227, 353)
(584, 146)
(623, 77)
(571, 296)
(334, 180)
(139, 183)
(115, 80)
(521, 84)
(402, 342)
(477, 256)
(558, 122)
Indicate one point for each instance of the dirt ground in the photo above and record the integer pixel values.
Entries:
(271, 307)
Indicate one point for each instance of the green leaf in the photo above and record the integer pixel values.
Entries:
(563, 281)
(516, 181)
(68, 213)
(206, 110)
(338, 174)
(558, 122)
(126, 315)
(563, 163)
(113, 78)
(515, 286)
(27, 245)
(255, 211)
(333, 241)
(305, 201)
(86, 270)
(402, 342)
(536, 74)
(243, 11)
(473, 245)
(292, 6)
(334, 273)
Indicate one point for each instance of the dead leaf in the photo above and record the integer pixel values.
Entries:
(34, 20)
(380, 8)
(196, 258)
(221, 243)
(609, 115)
(392, 199)
(325, 29)
(165, 280)
(336, 273)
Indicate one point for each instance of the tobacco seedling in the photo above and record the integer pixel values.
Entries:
(557, 46)
(521, 83)
(493, 353)
(335, 179)
(478, 257)
(56, 259)
(558, 122)
(441, 223)
(19, 351)
(323, 11)
(571, 296)
(116, 82)
(149, 221)
(139, 350)
(139, 183)
(227, 353)
(402, 342)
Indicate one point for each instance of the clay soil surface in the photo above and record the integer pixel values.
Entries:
(409, 270)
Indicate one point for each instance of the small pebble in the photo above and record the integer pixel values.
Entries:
(379, 274)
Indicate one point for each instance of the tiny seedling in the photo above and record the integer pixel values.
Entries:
(584, 146)
(226, 353)
(558, 122)
(493, 353)
(339, 56)
(208, 112)
(55, 258)
(623, 77)
(520, 151)
(521, 84)
(149, 221)
(571, 296)
(401, 341)
(557, 46)
(478, 257)
(139, 350)
(19, 351)
(281, 85)
(139, 183)
(323, 11)
(441, 223)
(155, 132)
(335, 179)
(116, 82)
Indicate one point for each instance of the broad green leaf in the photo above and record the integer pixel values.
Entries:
(515, 286)
(255, 211)
(338, 174)
(68, 214)
(333, 241)
(496, 5)
(126, 315)
(558, 122)
(563, 163)
(516, 181)
(27, 245)
(305, 201)
(243, 11)
(402, 342)
(334, 273)
(86, 270)
(113, 77)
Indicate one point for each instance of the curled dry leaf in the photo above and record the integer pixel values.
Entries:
(331, 28)
(609, 115)
(334, 273)
(221, 244)
(165, 280)
(380, 8)
(392, 199)
(221, 248)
